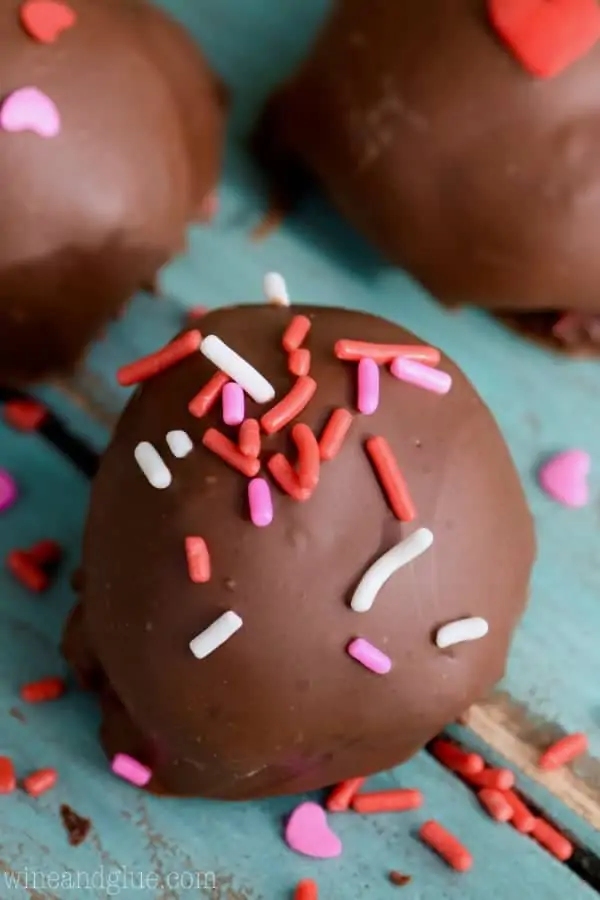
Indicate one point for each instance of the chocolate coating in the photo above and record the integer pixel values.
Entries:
(281, 707)
(480, 179)
(90, 216)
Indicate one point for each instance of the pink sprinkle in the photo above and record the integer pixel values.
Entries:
(260, 501)
(8, 490)
(369, 656)
(422, 376)
(368, 386)
(233, 404)
(131, 770)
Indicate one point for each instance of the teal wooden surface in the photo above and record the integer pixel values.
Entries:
(543, 404)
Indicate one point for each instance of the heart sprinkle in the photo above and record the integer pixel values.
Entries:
(29, 109)
(307, 832)
(45, 20)
(564, 478)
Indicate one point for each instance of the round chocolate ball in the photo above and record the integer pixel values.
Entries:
(239, 660)
(111, 129)
(438, 141)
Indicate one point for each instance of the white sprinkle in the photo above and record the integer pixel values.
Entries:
(216, 634)
(180, 443)
(400, 555)
(240, 371)
(276, 290)
(150, 462)
(460, 631)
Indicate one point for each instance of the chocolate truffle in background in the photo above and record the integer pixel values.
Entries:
(111, 133)
(271, 615)
(462, 146)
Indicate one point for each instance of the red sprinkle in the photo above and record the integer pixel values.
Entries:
(309, 459)
(46, 553)
(299, 362)
(39, 782)
(523, 819)
(249, 438)
(387, 801)
(158, 362)
(25, 414)
(552, 840)
(385, 353)
(295, 333)
(564, 751)
(496, 804)
(229, 452)
(197, 312)
(198, 559)
(498, 779)
(392, 479)
(44, 690)
(306, 890)
(446, 846)
(334, 434)
(26, 571)
(8, 779)
(205, 399)
(340, 798)
(455, 759)
(286, 478)
(291, 406)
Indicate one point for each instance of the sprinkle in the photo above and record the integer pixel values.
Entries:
(299, 361)
(498, 779)
(306, 890)
(388, 801)
(552, 840)
(46, 553)
(205, 399)
(368, 386)
(197, 312)
(334, 434)
(455, 759)
(25, 414)
(523, 819)
(260, 502)
(398, 879)
(291, 406)
(286, 478)
(340, 798)
(179, 443)
(39, 782)
(458, 632)
(249, 438)
(151, 463)
(237, 368)
(496, 804)
(446, 846)
(158, 362)
(564, 478)
(421, 375)
(9, 491)
(216, 442)
(44, 690)
(308, 832)
(391, 479)
(352, 351)
(233, 404)
(131, 770)
(8, 779)
(215, 635)
(45, 20)
(29, 109)
(295, 333)
(564, 751)
(276, 290)
(198, 559)
(22, 567)
(369, 656)
(309, 459)
(399, 556)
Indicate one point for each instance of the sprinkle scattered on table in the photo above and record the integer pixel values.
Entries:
(564, 478)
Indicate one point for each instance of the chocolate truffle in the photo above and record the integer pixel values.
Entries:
(111, 129)
(437, 139)
(242, 642)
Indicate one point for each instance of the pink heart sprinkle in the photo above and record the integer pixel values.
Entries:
(29, 109)
(307, 832)
(564, 478)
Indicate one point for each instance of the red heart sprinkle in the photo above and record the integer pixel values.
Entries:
(45, 20)
(546, 36)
